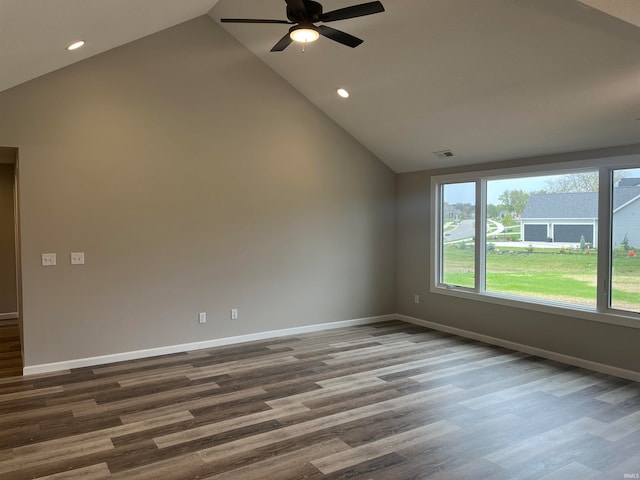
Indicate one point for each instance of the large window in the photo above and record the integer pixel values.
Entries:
(541, 244)
(557, 238)
(458, 234)
(625, 240)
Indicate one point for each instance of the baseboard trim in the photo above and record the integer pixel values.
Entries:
(219, 342)
(185, 347)
(9, 316)
(558, 357)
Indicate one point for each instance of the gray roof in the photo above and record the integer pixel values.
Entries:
(629, 182)
(623, 195)
(562, 205)
(574, 205)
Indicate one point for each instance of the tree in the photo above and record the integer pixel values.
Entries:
(507, 220)
(579, 182)
(514, 200)
(493, 211)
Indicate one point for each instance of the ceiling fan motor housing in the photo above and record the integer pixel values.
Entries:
(312, 14)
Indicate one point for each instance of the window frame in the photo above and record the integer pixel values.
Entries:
(441, 251)
(602, 312)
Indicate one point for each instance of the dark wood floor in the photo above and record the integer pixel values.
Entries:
(385, 402)
(10, 349)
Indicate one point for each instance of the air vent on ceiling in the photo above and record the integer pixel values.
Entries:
(443, 154)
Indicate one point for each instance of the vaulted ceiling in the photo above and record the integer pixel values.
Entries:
(487, 79)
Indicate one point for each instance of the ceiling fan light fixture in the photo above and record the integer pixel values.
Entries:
(304, 35)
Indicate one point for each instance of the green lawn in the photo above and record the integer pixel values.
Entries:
(546, 273)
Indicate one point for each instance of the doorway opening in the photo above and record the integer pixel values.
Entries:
(11, 363)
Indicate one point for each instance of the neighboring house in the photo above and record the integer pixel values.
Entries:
(566, 217)
(626, 214)
(451, 212)
(561, 217)
(629, 182)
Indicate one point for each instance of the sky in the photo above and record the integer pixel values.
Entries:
(464, 192)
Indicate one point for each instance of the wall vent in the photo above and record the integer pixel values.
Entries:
(443, 154)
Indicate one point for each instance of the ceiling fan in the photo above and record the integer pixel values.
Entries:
(302, 14)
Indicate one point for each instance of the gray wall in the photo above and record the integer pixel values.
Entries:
(604, 343)
(194, 179)
(8, 292)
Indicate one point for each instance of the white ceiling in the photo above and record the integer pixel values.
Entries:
(488, 79)
(34, 33)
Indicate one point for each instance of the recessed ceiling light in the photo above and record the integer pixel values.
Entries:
(343, 93)
(76, 45)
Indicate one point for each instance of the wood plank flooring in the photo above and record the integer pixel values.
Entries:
(389, 401)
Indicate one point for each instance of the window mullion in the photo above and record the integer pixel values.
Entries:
(437, 234)
(604, 239)
(481, 234)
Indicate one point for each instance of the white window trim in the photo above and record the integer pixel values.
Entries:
(602, 313)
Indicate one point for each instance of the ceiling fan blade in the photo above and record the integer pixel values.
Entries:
(283, 43)
(340, 37)
(253, 20)
(352, 12)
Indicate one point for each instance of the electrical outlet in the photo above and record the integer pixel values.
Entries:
(202, 317)
(77, 258)
(48, 259)
(234, 314)
(416, 298)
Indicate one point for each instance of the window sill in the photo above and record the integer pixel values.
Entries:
(625, 319)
